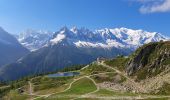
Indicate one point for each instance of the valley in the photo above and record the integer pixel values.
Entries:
(109, 79)
(86, 86)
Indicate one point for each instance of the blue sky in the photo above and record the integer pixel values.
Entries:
(19, 15)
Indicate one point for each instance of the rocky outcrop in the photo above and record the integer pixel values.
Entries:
(149, 60)
(139, 59)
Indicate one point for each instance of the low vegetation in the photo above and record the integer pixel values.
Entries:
(166, 61)
(43, 83)
(14, 95)
(82, 86)
(152, 58)
(118, 62)
(94, 68)
(109, 77)
(106, 92)
(104, 77)
(165, 89)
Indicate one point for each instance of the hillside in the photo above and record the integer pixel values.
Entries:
(102, 79)
(10, 49)
(149, 66)
(149, 60)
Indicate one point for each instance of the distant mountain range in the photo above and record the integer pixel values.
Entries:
(104, 38)
(33, 40)
(53, 51)
(10, 49)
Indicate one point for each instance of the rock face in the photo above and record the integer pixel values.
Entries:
(140, 59)
(149, 60)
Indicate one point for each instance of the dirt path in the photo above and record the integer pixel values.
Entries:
(30, 88)
(2, 87)
(94, 84)
(70, 85)
(136, 85)
(88, 76)
(31, 91)
(84, 67)
(47, 95)
(87, 94)
(126, 97)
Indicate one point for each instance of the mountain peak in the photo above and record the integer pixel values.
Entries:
(64, 29)
(33, 39)
(74, 29)
(2, 30)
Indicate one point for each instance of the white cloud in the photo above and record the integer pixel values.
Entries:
(146, 1)
(153, 6)
(156, 7)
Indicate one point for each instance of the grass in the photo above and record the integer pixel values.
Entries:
(56, 98)
(157, 99)
(45, 83)
(52, 90)
(87, 99)
(14, 95)
(104, 77)
(106, 92)
(94, 69)
(80, 87)
(118, 62)
(4, 90)
(165, 89)
(109, 77)
(166, 62)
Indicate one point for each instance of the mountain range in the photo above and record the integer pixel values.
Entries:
(83, 37)
(33, 40)
(52, 51)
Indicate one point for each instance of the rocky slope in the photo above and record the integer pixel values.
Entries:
(150, 66)
(147, 69)
(150, 59)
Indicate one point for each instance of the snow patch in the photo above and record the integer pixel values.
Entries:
(58, 38)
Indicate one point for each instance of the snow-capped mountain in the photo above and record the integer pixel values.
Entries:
(34, 40)
(103, 38)
(106, 38)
